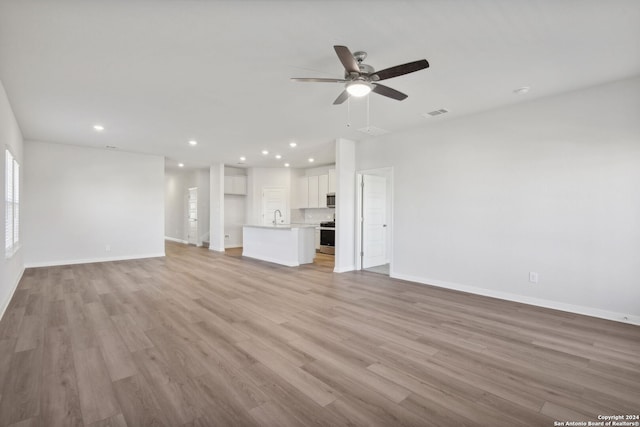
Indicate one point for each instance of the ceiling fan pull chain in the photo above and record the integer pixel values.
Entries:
(348, 112)
(368, 121)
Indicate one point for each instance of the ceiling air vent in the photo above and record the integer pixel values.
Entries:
(373, 131)
(435, 113)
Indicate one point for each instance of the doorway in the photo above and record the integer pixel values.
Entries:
(192, 216)
(374, 232)
(274, 200)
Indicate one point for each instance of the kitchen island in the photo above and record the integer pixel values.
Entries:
(286, 244)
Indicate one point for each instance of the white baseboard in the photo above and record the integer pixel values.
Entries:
(91, 260)
(344, 269)
(555, 305)
(233, 245)
(173, 239)
(5, 304)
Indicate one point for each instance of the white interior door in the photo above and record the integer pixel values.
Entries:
(374, 221)
(274, 199)
(192, 216)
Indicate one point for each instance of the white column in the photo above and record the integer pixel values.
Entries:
(345, 205)
(216, 214)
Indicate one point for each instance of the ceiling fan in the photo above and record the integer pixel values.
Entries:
(360, 78)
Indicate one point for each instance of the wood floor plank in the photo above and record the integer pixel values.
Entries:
(30, 333)
(60, 402)
(178, 393)
(306, 383)
(132, 335)
(139, 405)
(97, 398)
(115, 421)
(115, 353)
(290, 402)
(199, 338)
(82, 334)
(22, 388)
(457, 404)
(10, 323)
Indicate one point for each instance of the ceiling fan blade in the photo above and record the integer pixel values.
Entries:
(388, 92)
(346, 57)
(341, 98)
(317, 80)
(400, 70)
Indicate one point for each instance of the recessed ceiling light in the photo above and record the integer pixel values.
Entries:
(193, 142)
(286, 165)
(278, 156)
(180, 165)
(243, 158)
(311, 160)
(265, 152)
(292, 144)
(522, 90)
(99, 128)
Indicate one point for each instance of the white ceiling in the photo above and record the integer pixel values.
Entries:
(158, 73)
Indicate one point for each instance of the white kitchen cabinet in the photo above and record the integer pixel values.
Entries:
(236, 184)
(332, 181)
(302, 193)
(323, 189)
(313, 192)
(317, 239)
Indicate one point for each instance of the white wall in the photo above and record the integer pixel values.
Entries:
(235, 211)
(176, 190)
(78, 201)
(549, 186)
(216, 201)
(234, 219)
(11, 269)
(345, 205)
(202, 182)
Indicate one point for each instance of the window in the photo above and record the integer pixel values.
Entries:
(12, 205)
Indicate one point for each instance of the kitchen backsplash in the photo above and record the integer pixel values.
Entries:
(312, 216)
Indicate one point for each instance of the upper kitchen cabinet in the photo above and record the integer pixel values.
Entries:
(332, 181)
(302, 193)
(323, 189)
(313, 192)
(235, 184)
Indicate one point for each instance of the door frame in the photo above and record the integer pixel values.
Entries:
(285, 214)
(188, 218)
(386, 172)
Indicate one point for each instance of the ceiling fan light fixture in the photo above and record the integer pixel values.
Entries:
(358, 88)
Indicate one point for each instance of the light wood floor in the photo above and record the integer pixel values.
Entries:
(202, 339)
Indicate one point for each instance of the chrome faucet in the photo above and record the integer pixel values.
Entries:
(274, 216)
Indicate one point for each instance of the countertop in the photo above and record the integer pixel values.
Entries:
(282, 226)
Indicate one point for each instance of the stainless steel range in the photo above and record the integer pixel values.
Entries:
(328, 237)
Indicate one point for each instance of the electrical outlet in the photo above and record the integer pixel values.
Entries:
(533, 277)
(227, 236)
(107, 248)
